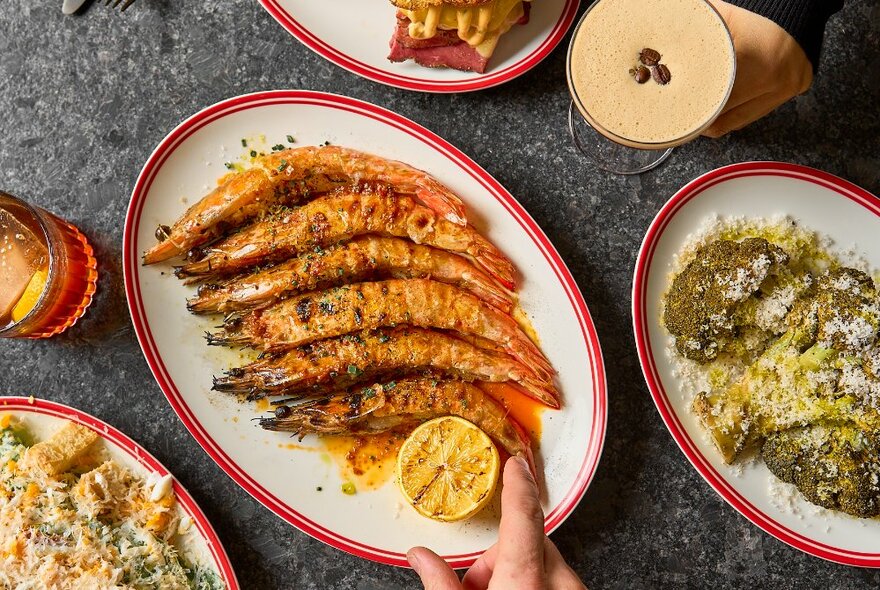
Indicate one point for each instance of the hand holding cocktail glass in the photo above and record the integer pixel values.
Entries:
(725, 67)
(625, 121)
(772, 68)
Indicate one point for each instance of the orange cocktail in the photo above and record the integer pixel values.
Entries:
(47, 271)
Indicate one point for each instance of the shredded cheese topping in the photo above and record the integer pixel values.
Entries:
(93, 525)
(806, 352)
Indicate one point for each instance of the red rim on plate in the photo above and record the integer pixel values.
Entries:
(646, 354)
(596, 433)
(31, 405)
(487, 80)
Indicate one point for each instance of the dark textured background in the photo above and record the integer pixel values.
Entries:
(86, 98)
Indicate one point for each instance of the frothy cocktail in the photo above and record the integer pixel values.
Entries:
(651, 73)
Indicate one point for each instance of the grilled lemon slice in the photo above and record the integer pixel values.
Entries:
(448, 469)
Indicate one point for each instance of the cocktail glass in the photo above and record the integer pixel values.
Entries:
(47, 271)
(613, 151)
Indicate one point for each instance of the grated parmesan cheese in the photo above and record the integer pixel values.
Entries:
(91, 526)
(777, 391)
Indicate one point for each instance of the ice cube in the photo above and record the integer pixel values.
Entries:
(21, 255)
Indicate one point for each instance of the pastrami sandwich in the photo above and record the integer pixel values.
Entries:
(459, 34)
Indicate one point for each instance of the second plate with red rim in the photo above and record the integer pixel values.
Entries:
(850, 216)
(354, 34)
(42, 418)
(298, 485)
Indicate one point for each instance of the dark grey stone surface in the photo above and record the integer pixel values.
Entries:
(86, 98)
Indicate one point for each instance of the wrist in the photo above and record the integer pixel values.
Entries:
(804, 20)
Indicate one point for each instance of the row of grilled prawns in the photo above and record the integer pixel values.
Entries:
(374, 303)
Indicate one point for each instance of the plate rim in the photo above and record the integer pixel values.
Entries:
(644, 260)
(488, 80)
(131, 262)
(108, 432)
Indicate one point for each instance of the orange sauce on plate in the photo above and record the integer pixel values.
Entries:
(523, 409)
(366, 461)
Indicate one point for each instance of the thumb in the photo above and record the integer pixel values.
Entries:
(432, 570)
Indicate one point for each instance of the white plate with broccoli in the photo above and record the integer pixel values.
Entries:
(780, 335)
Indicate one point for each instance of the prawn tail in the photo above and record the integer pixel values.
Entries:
(487, 289)
(539, 390)
(490, 258)
(442, 200)
(527, 353)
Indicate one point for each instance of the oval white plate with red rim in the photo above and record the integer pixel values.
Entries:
(355, 35)
(819, 201)
(200, 543)
(372, 524)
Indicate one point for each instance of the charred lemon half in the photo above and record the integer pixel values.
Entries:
(448, 469)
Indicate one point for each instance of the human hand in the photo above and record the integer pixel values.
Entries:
(771, 68)
(523, 558)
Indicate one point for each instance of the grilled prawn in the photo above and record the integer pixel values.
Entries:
(339, 362)
(287, 178)
(362, 258)
(409, 401)
(352, 308)
(340, 216)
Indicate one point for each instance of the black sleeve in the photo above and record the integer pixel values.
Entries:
(802, 19)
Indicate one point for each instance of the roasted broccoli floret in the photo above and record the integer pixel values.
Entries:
(817, 371)
(702, 302)
(844, 315)
(772, 303)
(847, 311)
(836, 466)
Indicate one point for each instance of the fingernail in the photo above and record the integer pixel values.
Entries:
(414, 561)
(524, 465)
